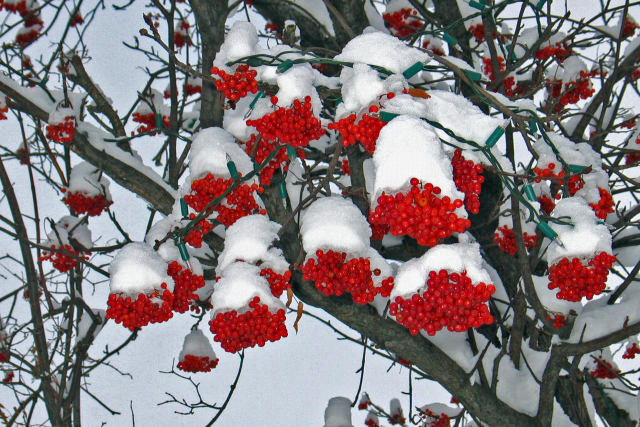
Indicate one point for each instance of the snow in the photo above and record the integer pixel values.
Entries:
(338, 413)
(584, 237)
(318, 11)
(361, 86)
(334, 223)
(239, 283)
(240, 41)
(88, 180)
(296, 83)
(69, 227)
(59, 115)
(196, 344)
(383, 50)
(456, 258)
(410, 148)
(86, 321)
(250, 239)
(549, 300)
(136, 269)
(456, 346)
(152, 102)
(440, 408)
(374, 17)
(168, 250)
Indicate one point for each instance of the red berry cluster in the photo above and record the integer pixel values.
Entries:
(547, 205)
(506, 240)
(8, 377)
(364, 402)
(371, 422)
(575, 280)
(62, 132)
(378, 230)
(574, 183)
(450, 300)
(144, 309)
(4, 356)
(420, 214)
(334, 275)
(264, 149)
(240, 201)
(468, 178)
(181, 34)
(509, 83)
(257, 326)
(397, 418)
(192, 89)
(558, 51)
(192, 363)
(236, 85)
(186, 283)
(80, 204)
(632, 158)
(631, 351)
(344, 167)
(76, 20)
(295, 126)
(194, 236)
(149, 123)
(604, 205)
(432, 420)
(366, 130)
(573, 91)
(433, 49)
(61, 261)
(277, 282)
(558, 320)
(628, 28)
(3, 109)
(403, 22)
(604, 370)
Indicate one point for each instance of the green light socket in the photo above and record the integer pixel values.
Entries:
(531, 195)
(232, 169)
(184, 209)
(494, 137)
(386, 116)
(412, 71)
(183, 251)
(546, 230)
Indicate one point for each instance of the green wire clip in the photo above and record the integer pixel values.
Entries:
(291, 153)
(547, 231)
(338, 101)
(159, 123)
(232, 168)
(259, 95)
(184, 209)
(449, 39)
(412, 71)
(477, 4)
(385, 116)
(472, 75)
(494, 137)
(540, 4)
(533, 127)
(576, 168)
(531, 195)
(284, 66)
(282, 188)
(183, 251)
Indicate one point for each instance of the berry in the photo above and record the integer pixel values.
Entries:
(631, 351)
(448, 300)
(430, 419)
(604, 370)
(60, 260)
(194, 236)
(61, 132)
(546, 204)
(402, 23)
(576, 280)
(237, 85)
(191, 363)
(420, 213)
(604, 205)
(264, 149)
(144, 309)
(468, 178)
(558, 51)
(80, 203)
(186, 283)
(366, 131)
(334, 275)
(506, 240)
(253, 327)
(277, 282)
(572, 91)
(149, 123)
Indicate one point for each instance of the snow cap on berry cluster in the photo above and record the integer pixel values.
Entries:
(69, 227)
(455, 258)
(168, 250)
(580, 231)
(209, 151)
(529, 36)
(338, 413)
(250, 239)
(240, 41)
(334, 223)
(136, 269)
(361, 86)
(383, 50)
(568, 71)
(297, 83)
(239, 283)
(152, 103)
(410, 148)
(58, 115)
(196, 344)
(87, 179)
(573, 154)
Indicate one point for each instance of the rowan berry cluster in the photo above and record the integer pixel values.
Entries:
(631, 351)
(433, 49)
(509, 82)
(449, 300)
(264, 149)
(547, 205)
(80, 204)
(192, 89)
(364, 401)
(8, 377)
(32, 24)
(237, 85)
(181, 34)
(420, 213)
(255, 327)
(633, 158)
(277, 282)
(76, 20)
(191, 363)
(61, 132)
(403, 22)
(397, 418)
(432, 420)
(573, 91)
(3, 109)
(194, 236)
(334, 275)
(344, 167)
(240, 201)
(506, 240)
(370, 421)
(186, 283)
(144, 309)
(604, 370)
(574, 183)
(4, 356)
(558, 50)
(366, 130)
(149, 123)
(576, 280)
(295, 126)
(62, 261)
(477, 31)
(628, 28)
(604, 205)
(468, 178)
